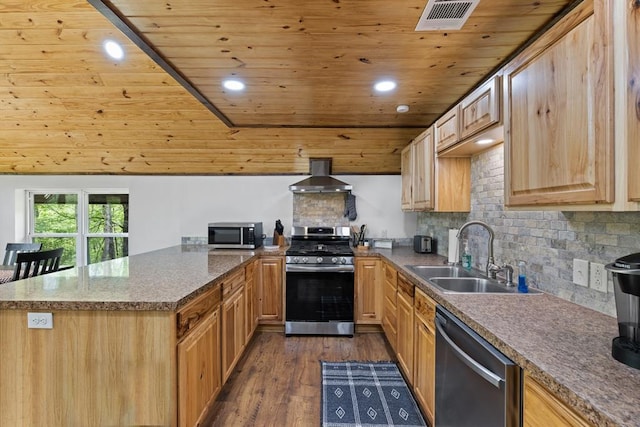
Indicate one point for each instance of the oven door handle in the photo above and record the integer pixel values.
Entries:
(312, 268)
(486, 374)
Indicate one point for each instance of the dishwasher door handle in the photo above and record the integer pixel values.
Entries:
(489, 376)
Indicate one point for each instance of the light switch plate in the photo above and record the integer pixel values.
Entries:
(581, 272)
(40, 320)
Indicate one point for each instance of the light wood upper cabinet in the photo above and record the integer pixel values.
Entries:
(429, 183)
(559, 114)
(631, 17)
(481, 108)
(417, 173)
(407, 177)
(540, 408)
(424, 384)
(270, 285)
(447, 129)
(368, 290)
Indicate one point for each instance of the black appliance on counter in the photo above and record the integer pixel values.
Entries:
(424, 244)
(626, 281)
(319, 282)
(235, 235)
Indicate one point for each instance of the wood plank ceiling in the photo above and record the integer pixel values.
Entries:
(68, 109)
(313, 63)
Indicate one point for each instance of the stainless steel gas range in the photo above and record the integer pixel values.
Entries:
(319, 282)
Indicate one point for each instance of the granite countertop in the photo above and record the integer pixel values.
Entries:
(563, 345)
(164, 279)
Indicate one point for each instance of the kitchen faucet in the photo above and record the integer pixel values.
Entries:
(490, 269)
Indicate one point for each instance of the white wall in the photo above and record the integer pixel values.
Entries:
(165, 208)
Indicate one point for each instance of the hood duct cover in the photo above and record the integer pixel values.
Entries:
(320, 180)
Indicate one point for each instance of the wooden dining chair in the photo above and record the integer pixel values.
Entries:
(29, 264)
(12, 249)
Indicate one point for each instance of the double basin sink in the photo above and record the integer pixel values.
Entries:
(455, 279)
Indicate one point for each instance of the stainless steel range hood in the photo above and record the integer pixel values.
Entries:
(320, 180)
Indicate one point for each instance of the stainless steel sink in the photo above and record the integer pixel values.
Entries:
(455, 279)
(429, 271)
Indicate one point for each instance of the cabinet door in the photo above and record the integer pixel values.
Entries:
(368, 291)
(480, 109)
(542, 409)
(270, 290)
(407, 177)
(233, 332)
(424, 380)
(447, 129)
(559, 114)
(199, 371)
(251, 308)
(389, 309)
(633, 99)
(423, 171)
(405, 327)
(424, 384)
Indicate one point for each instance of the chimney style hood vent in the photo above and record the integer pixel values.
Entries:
(320, 180)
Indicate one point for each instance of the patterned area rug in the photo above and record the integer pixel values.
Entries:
(366, 394)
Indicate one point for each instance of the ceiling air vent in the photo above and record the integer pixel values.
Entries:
(445, 14)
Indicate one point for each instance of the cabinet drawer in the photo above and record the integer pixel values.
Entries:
(425, 308)
(390, 275)
(232, 283)
(197, 310)
(405, 288)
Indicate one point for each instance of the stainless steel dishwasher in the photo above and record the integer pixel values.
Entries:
(476, 385)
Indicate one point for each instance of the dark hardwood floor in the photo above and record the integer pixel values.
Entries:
(278, 380)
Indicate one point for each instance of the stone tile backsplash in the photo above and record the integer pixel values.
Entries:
(547, 240)
(319, 209)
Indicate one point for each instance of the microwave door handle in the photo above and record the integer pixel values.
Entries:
(486, 374)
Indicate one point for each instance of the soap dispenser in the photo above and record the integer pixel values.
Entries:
(522, 277)
(466, 256)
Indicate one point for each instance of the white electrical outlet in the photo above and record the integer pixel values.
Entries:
(598, 277)
(581, 272)
(40, 320)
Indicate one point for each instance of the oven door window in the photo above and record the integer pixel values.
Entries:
(319, 296)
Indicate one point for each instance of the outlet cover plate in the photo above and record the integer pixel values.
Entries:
(598, 277)
(40, 320)
(581, 272)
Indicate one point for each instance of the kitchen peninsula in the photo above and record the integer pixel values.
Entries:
(110, 358)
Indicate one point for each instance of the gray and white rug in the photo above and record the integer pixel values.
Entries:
(365, 394)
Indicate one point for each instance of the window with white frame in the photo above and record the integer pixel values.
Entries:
(91, 226)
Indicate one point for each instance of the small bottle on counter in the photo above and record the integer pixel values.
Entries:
(522, 277)
(466, 256)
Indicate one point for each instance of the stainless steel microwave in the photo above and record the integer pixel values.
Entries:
(235, 235)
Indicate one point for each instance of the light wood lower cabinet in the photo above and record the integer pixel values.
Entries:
(390, 309)
(270, 286)
(233, 332)
(424, 380)
(542, 409)
(251, 300)
(368, 290)
(199, 371)
(405, 327)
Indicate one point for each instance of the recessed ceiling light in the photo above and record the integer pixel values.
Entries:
(113, 49)
(385, 86)
(233, 84)
(402, 108)
(484, 141)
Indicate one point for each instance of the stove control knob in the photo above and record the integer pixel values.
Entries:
(319, 260)
(343, 260)
(304, 260)
(334, 260)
